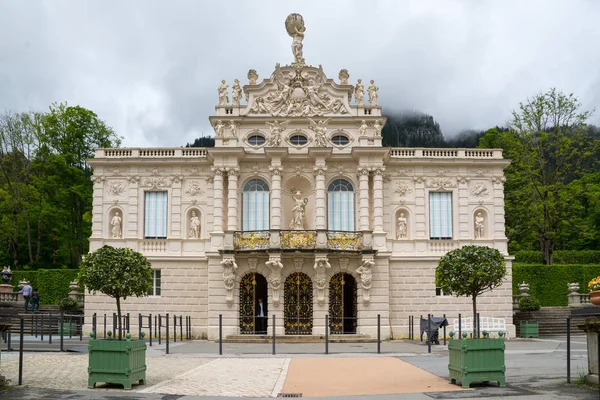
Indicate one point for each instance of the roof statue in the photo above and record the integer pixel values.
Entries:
(294, 24)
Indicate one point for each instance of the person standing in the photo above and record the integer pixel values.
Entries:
(261, 313)
(27, 290)
(35, 300)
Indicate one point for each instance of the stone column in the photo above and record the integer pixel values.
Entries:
(232, 199)
(363, 187)
(276, 171)
(320, 197)
(218, 199)
(378, 199)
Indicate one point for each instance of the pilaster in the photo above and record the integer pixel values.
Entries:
(363, 186)
(232, 198)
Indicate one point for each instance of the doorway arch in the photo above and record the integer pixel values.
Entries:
(253, 286)
(298, 304)
(343, 305)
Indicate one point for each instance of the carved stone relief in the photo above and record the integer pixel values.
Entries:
(321, 266)
(116, 188)
(366, 277)
(441, 183)
(275, 266)
(402, 189)
(194, 188)
(498, 179)
(479, 189)
(229, 267)
(344, 261)
(298, 263)
(320, 130)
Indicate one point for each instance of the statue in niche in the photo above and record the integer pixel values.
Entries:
(194, 226)
(373, 96)
(219, 127)
(359, 93)
(233, 126)
(276, 129)
(402, 230)
(479, 226)
(236, 93)
(223, 95)
(294, 24)
(298, 211)
(115, 224)
(362, 129)
(377, 127)
(320, 130)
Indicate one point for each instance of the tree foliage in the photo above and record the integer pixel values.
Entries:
(45, 186)
(471, 271)
(118, 273)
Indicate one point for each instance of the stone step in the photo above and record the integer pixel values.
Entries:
(299, 339)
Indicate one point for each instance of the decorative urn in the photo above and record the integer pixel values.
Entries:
(6, 275)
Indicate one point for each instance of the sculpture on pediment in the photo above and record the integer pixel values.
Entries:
(298, 211)
(479, 226)
(194, 226)
(402, 230)
(294, 24)
(373, 96)
(305, 84)
(344, 75)
(362, 129)
(233, 127)
(276, 129)
(377, 127)
(223, 95)
(115, 224)
(219, 128)
(236, 93)
(320, 130)
(359, 93)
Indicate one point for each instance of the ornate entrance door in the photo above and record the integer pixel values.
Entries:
(298, 304)
(342, 304)
(253, 286)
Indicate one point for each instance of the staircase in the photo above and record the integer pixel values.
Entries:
(40, 320)
(299, 339)
(552, 320)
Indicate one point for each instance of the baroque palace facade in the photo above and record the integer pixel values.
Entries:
(299, 204)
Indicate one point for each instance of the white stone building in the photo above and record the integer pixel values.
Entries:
(299, 203)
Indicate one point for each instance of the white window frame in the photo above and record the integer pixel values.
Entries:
(154, 231)
(341, 208)
(441, 230)
(256, 216)
(156, 289)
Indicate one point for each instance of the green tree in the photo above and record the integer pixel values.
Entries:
(550, 146)
(116, 272)
(471, 271)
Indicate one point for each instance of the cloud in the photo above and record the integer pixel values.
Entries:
(150, 69)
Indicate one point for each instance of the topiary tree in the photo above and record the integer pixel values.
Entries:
(471, 271)
(116, 272)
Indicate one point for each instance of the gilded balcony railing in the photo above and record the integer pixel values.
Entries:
(344, 240)
(251, 240)
(300, 240)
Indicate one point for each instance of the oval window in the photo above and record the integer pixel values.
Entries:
(340, 140)
(256, 140)
(298, 140)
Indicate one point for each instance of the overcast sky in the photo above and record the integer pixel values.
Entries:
(150, 69)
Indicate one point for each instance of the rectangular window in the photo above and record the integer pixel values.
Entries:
(340, 209)
(155, 291)
(441, 292)
(440, 215)
(155, 223)
(255, 211)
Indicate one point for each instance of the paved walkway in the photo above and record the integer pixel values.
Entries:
(534, 368)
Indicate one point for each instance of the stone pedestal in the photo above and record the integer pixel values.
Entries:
(6, 288)
(592, 330)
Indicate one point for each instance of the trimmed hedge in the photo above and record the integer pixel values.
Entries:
(548, 283)
(53, 284)
(560, 257)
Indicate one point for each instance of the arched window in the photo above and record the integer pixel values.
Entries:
(255, 208)
(340, 202)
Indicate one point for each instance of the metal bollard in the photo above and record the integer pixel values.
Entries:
(378, 334)
(569, 349)
(42, 330)
(174, 328)
(444, 331)
(104, 326)
(159, 328)
(220, 334)
(50, 331)
(150, 327)
(459, 328)
(114, 325)
(81, 328)
(180, 329)
(326, 334)
(478, 332)
(167, 329)
(62, 321)
(139, 325)
(429, 333)
(21, 353)
(274, 334)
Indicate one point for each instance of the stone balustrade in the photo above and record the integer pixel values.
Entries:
(9, 297)
(171, 152)
(446, 153)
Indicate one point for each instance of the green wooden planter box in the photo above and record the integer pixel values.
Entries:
(529, 329)
(476, 360)
(116, 361)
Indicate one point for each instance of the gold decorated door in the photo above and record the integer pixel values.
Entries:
(343, 307)
(253, 286)
(298, 304)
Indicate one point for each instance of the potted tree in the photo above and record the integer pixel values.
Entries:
(529, 328)
(471, 271)
(118, 273)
